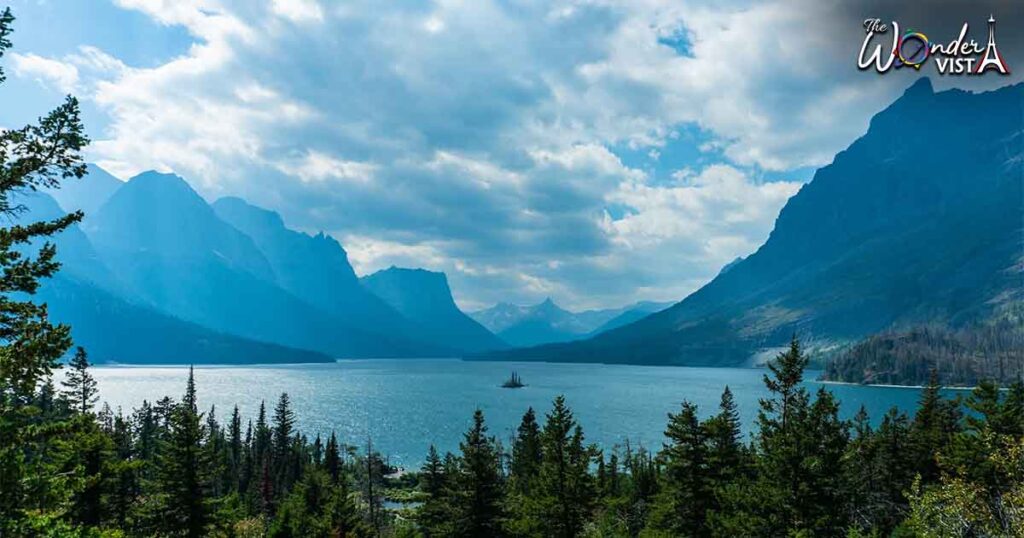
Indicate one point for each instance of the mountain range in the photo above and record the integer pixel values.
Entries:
(156, 274)
(547, 322)
(919, 221)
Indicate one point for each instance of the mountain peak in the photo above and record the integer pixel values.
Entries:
(921, 86)
(424, 297)
(160, 178)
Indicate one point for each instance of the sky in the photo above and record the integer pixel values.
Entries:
(597, 152)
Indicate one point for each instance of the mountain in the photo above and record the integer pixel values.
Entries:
(75, 252)
(112, 329)
(115, 330)
(88, 193)
(315, 269)
(630, 314)
(172, 252)
(917, 222)
(531, 325)
(425, 298)
(547, 322)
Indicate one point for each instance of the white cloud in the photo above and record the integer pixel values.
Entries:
(299, 10)
(368, 255)
(61, 76)
(481, 138)
(315, 166)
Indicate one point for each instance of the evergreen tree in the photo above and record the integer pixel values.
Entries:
(282, 462)
(332, 458)
(526, 453)
(935, 423)
(235, 446)
(183, 481)
(435, 516)
(32, 157)
(345, 519)
(478, 502)
(304, 512)
(800, 447)
(79, 386)
(685, 496)
(564, 494)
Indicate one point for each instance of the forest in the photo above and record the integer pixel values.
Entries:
(961, 356)
(69, 468)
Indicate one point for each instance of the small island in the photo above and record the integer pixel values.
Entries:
(514, 382)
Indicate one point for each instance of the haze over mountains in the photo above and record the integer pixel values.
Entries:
(919, 221)
(157, 251)
(155, 274)
(547, 322)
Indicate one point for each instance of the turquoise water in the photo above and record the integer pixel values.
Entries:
(405, 405)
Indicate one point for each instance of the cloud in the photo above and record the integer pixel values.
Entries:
(487, 139)
(315, 166)
(298, 10)
(55, 74)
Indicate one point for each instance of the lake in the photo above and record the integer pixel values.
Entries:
(405, 405)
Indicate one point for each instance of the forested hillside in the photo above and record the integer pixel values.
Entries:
(963, 356)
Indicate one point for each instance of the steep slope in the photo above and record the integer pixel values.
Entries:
(88, 193)
(631, 314)
(425, 298)
(314, 269)
(918, 221)
(115, 330)
(83, 295)
(172, 251)
(75, 252)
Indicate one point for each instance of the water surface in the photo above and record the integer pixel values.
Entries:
(405, 405)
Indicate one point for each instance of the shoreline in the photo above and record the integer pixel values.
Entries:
(892, 386)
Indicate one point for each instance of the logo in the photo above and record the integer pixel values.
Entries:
(912, 49)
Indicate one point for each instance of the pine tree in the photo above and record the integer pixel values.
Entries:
(235, 446)
(124, 468)
(526, 453)
(564, 492)
(282, 462)
(345, 519)
(332, 459)
(435, 516)
(478, 502)
(935, 424)
(432, 477)
(318, 452)
(79, 386)
(682, 504)
(183, 480)
(304, 512)
(33, 157)
(726, 457)
(800, 447)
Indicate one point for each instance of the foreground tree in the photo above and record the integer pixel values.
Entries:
(478, 500)
(31, 157)
(564, 493)
(685, 497)
(183, 478)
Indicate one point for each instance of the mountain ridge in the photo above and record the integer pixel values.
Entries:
(425, 298)
(886, 234)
